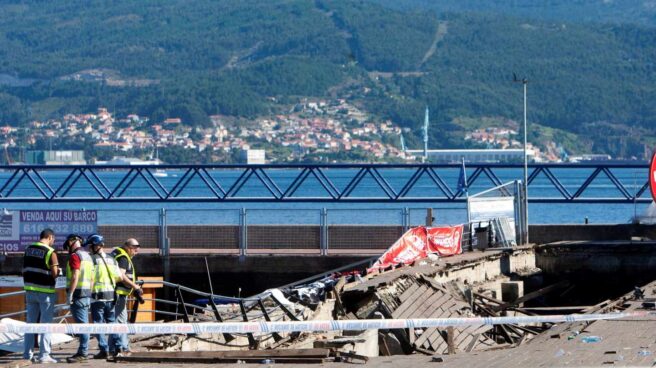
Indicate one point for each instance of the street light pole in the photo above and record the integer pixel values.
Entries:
(525, 83)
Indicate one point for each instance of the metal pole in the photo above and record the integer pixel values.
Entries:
(243, 239)
(163, 234)
(519, 214)
(525, 82)
(324, 232)
(405, 215)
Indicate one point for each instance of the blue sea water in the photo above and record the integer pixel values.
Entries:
(217, 212)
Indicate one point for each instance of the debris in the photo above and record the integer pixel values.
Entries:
(649, 303)
(231, 356)
(591, 339)
(348, 356)
(638, 294)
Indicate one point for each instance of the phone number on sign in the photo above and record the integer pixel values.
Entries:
(59, 228)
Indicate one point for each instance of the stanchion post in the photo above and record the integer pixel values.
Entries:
(405, 219)
(243, 233)
(324, 232)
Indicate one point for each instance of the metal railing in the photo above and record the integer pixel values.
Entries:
(313, 183)
(58, 307)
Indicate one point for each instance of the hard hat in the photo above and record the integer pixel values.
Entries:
(71, 238)
(95, 239)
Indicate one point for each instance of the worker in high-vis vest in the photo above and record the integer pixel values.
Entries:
(123, 256)
(79, 282)
(40, 271)
(103, 297)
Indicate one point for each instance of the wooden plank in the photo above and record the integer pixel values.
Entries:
(427, 306)
(409, 292)
(416, 293)
(472, 343)
(424, 337)
(439, 313)
(464, 339)
(437, 310)
(426, 310)
(215, 360)
(412, 304)
(310, 352)
(553, 309)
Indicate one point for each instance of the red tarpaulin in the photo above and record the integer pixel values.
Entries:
(418, 242)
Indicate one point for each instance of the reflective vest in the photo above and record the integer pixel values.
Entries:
(36, 268)
(105, 278)
(121, 287)
(83, 287)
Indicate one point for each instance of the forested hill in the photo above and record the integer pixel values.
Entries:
(191, 59)
(597, 11)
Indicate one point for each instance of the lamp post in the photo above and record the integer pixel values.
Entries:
(524, 82)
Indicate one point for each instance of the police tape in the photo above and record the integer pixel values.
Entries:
(301, 326)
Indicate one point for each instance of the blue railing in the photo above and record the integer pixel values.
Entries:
(548, 183)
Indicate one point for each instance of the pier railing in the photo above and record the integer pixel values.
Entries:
(547, 183)
(252, 231)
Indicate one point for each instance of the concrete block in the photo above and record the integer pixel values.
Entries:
(512, 290)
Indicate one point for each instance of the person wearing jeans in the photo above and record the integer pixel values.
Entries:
(79, 282)
(123, 256)
(103, 295)
(40, 271)
(39, 304)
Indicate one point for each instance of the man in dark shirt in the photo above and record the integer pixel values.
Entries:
(40, 271)
(123, 256)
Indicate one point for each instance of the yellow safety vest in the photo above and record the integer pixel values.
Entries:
(83, 287)
(121, 287)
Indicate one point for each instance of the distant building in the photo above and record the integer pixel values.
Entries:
(590, 157)
(128, 161)
(475, 155)
(55, 158)
(253, 157)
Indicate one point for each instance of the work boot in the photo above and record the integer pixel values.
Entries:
(77, 358)
(101, 355)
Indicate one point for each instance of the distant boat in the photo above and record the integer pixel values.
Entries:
(159, 173)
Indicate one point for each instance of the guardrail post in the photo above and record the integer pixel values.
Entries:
(164, 249)
(243, 233)
(323, 232)
(405, 219)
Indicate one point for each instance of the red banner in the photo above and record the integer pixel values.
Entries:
(445, 241)
(418, 242)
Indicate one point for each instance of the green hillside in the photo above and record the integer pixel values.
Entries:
(197, 58)
(597, 11)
